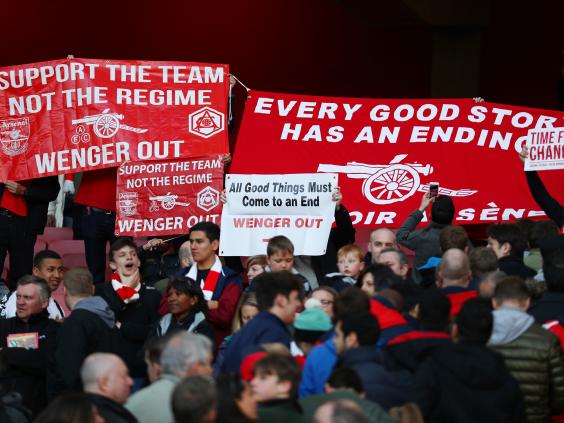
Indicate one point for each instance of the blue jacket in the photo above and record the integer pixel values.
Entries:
(265, 327)
(317, 369)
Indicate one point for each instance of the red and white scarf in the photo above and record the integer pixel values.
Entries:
(208, 286)
(125, 293)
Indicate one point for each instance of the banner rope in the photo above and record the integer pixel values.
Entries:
(243, 85)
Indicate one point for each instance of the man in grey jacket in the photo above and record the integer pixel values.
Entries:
(425, 242)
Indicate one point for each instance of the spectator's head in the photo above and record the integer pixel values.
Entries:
(487, 284)
(187, 354)
(512, 292)
(106, 375)
(553, 270)
(70, 407)
(255, 266)
(235, 400)
(377, 277)
(506, 239)
(310, 325)
(395, 260)
(454, 269)
(526, 227)
(350, 260)
(339, 411)
(356, 330)
(411, 294)
(276, 376)
(344, 378)
(123, 257)
(474, 322)
(453, 236)
(542, 230)
(434, 311)
(280, 254)
(380, 239)
(185, 255)
(247, 308)
(281, 293)
(153, 351)
(194, 400)
(184, 296)
(32, 296)
(482, 261)
(77, 284)
(442, 210)
(351, 300)
(204, 243)
(48, 265)
(326, 297)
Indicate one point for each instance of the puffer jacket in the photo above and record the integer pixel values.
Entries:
(534, 357)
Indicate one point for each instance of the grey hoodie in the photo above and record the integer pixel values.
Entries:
(99, 307)
(509, 324)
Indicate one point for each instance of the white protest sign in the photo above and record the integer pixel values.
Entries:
(259, 207)
(546, 149)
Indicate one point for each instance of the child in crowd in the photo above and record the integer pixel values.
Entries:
(350, 262)
(255, 266)
(275, 387)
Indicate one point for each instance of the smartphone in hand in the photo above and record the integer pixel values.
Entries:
(433, 189)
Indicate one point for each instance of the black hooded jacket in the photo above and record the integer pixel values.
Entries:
(466, 382)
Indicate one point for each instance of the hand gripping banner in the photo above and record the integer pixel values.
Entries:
(389, 151)
(71, 115)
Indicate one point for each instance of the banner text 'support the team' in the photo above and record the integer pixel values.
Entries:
(389, 150)
(168, 197)
(72, 115)
(259, 207)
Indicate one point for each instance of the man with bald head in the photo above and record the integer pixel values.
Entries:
(106, 380)
(380, 239)
(453, 277)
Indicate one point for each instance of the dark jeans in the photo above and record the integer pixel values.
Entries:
(13, 240)
(97, 229)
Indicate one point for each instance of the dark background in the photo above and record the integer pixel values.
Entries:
(504, 51)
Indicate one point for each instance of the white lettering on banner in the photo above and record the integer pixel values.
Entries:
(178, 74)
(144, 97)
(147, 150)
(306, 109)
(171, 223)
(58, 161)
(19, 78)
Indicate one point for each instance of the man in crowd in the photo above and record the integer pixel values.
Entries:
(395, 260)
(453, 278)
(185, 354)
(380, 239)
(89, 329)
(194, 400)
(551, 305)
(532, 354)
(26, 343)
(509, 243)
(47, 265)
(106, 381)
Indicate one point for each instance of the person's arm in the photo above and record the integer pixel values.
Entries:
(556, 375)
(70, 350)
(43, 190)
(222, 316)
(546, 202)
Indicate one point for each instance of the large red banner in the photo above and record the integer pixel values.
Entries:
(165, 197)
(388, 151)
(71, 115)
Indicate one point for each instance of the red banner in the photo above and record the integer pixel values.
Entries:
(73, 115)
(388, 151)
(166, 197)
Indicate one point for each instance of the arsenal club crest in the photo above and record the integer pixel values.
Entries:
(206, 122)
(14, 134)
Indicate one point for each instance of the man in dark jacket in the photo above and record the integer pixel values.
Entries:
(26, 342)
(107, 383)
(23, 214)
(279, 296)
(532, 354)
(90, 328)
(509, 243)
(355, 339)
(551, 305)
(465, 381)
(453, 278)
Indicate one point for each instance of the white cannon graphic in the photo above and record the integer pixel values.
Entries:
(167, 201)
(390, 183)
(107, 124)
